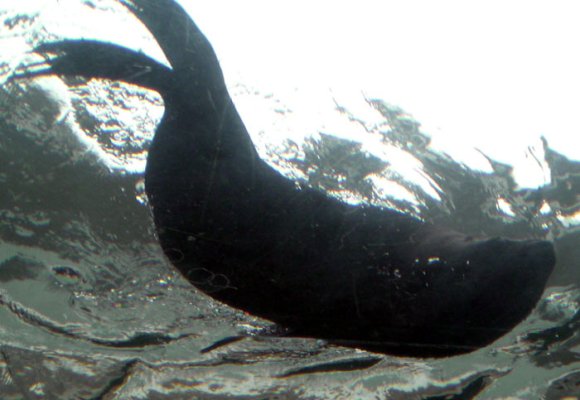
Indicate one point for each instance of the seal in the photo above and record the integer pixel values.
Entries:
(360, 276)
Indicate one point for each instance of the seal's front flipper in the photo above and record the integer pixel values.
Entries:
(92, 59)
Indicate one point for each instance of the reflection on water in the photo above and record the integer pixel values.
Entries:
(90, 308)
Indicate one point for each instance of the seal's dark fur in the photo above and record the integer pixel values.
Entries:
(357, 275)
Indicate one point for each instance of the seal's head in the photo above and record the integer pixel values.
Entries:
(477, 290)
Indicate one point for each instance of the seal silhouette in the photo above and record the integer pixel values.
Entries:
(359, 276)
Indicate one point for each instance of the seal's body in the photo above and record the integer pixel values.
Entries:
(357, 275)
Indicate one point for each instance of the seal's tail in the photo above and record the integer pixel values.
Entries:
(180, 39)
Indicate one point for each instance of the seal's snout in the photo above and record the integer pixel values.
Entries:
(538, 258)
(511, 278)
(524, 264)
(530, 253)
(540, 254)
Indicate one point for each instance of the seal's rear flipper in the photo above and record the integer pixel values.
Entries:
(180, 39)
(92, 59)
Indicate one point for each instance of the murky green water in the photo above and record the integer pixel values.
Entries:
(90, 308)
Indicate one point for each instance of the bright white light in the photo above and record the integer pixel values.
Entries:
(494, 75)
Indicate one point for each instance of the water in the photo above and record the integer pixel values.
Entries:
(90, 308)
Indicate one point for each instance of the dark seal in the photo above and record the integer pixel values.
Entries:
(359, 276)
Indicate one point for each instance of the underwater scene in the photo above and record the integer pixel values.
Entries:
(281, 231)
